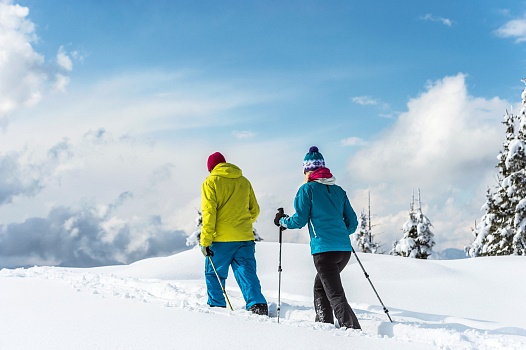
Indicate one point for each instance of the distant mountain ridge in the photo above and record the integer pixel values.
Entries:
(449, 254)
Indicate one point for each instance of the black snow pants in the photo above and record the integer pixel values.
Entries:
(329, 295)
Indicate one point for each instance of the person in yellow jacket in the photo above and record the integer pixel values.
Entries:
(229, 208)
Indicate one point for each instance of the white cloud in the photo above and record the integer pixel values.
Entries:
(353, 141)
(61, 82)
(372, 101)
(110, 150)
(446, 143)
(244, 134)
(515, 28)
(145, 134)
(23, 174)
(24, 76)
(445, 132)
(365, 100)
(63, 60)
(78, 236)
(149, 102)
(445, 21)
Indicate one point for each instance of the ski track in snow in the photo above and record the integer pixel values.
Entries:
(444, 332)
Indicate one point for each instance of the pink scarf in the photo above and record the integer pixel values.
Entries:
(320, 173)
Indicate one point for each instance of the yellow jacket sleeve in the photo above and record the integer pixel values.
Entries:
(209, 213)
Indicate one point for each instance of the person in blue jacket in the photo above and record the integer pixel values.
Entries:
(325, 208)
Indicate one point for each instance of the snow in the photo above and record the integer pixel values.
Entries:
(516, 149)
(160, 303)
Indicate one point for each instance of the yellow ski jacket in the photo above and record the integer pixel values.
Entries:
(228, 205)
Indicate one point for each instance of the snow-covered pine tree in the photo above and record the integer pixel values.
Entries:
(257, 237)
(193, 239)
(363, 236)
(418, 240)
(502, 229)
(517, 164)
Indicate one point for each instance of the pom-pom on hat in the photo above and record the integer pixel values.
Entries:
(313, 160)
(214, 159)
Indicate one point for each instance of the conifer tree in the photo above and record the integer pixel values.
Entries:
(502, 229)
(418, 240)
(193, 239)
(364, 237)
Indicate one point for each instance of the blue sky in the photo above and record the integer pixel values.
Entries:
(109, 110)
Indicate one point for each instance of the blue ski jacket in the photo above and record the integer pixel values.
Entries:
(325, 208)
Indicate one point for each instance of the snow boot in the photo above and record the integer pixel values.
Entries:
(259, 309)
(347, 318)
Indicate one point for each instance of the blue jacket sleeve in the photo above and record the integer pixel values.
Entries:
(349, 216)
(302, 206)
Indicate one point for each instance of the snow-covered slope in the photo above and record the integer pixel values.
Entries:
(160, 303)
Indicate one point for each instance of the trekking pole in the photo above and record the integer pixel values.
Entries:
(280, 210)
(221, 284)
(371, 283)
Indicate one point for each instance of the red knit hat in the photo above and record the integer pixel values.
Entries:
(214, 159)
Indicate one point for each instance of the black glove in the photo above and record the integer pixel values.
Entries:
(280, 214)
(207, 251)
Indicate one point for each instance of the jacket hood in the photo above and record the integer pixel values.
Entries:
(227, 170)
(329, 181)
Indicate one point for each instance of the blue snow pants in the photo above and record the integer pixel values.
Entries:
(241, 256)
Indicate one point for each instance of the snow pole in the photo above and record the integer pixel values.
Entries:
(221, 284)
(371, 283)
(280, 210)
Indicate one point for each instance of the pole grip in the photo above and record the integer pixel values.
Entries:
(281, 211)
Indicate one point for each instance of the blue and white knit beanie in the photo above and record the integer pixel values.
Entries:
(313, 160)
